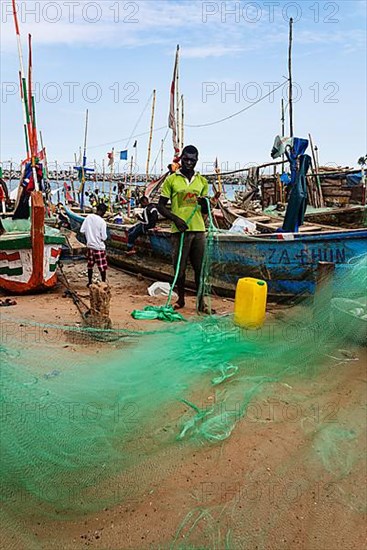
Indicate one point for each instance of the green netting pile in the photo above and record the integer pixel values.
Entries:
(76, 427)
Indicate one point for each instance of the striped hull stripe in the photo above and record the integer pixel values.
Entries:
(11, 272)
(9, 257)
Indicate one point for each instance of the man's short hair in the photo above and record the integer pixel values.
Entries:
(102, 208)
(190, 149)
(144, 198)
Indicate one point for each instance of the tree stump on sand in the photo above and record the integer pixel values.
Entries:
(100, 298)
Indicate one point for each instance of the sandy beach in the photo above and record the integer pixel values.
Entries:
(204, 496)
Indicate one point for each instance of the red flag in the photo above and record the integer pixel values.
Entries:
(111, 157)
(40, 155)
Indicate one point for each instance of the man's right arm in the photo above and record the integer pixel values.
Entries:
(166, 212)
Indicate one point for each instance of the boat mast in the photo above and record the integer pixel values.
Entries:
(182, 122)
(162, 145)
(290, 99)
(178, 129)
(283, 131)
(44, 152)
(84, 163)
(10, 174)
(57, 181)
(150, 137)
(21, 79)
(111, 177)
(174, 109)
(103, 175)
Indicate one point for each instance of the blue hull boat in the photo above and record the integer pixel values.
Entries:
(287, 262)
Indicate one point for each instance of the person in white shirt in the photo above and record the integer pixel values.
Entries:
(95, 229)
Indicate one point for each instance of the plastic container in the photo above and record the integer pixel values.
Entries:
(250, 303)
(161, 289)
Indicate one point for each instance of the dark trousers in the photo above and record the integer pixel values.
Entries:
(133, 234)
(193, 250)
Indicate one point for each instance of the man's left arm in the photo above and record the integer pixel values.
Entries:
(202, 200)
(104, 231)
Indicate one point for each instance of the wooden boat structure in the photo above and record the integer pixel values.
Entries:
(287, 262)
(337, 203)
(29, 252)
(351, 217)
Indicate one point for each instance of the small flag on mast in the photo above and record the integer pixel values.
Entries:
(111, 157)
(135, 144)
(123, 155)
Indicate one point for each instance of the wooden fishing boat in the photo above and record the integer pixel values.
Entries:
(287, 262)
(29, 252)
(351, 217)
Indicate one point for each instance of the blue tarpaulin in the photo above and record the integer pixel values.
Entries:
(299, 147)
(354, 179)
(298, 199)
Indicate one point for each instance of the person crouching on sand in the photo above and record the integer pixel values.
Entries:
(95, 229)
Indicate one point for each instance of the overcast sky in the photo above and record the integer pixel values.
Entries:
(108, 56)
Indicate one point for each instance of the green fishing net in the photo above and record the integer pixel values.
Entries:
(99, 427)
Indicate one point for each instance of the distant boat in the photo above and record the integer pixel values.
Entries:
(287, 262)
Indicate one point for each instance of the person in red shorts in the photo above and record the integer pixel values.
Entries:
(95, 229)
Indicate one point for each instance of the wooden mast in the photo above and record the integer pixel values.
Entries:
(178, 132)
(315, 170)
(111, 177)
(162, 145)
(103, 175)
(84, 163)
(150, 136)
(57, 181)
(290, 77)
(283, 130)
(182, 122)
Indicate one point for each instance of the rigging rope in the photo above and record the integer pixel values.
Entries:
(238, 112)
(194, 125)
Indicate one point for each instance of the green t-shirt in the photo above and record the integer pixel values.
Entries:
(183, 195)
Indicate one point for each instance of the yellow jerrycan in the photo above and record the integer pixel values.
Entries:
(250, 303)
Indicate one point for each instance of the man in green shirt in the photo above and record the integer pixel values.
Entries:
(186, 190)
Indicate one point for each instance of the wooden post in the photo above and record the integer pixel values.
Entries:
(37, 236)
(314, 169)
(100, 298)
(290, 77)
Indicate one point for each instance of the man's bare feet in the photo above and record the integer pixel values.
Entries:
(206, 310)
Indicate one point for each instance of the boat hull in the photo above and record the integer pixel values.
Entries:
(28, 260)
(287, 263)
